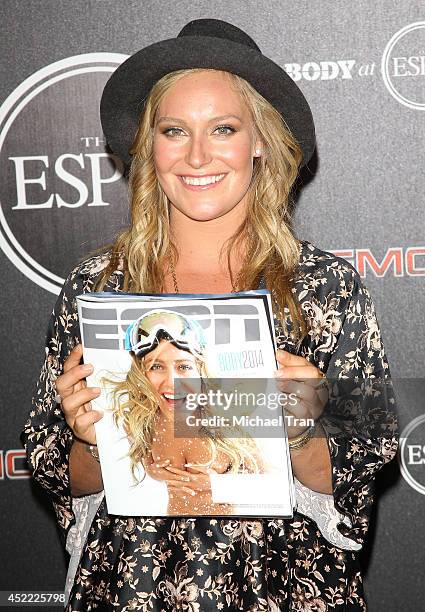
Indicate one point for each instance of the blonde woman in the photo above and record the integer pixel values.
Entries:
(215, 134)
(168, 363)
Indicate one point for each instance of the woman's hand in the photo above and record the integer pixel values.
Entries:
(197, 482)
(178, 480)
(306, 386)
(160, 471)
(76, 396)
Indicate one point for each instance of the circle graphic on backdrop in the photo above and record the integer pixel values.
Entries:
(403, 65)
(412, 454)
(63, 194)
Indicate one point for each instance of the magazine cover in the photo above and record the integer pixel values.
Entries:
(193, 421)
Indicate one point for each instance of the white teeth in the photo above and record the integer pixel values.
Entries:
(202, 180)
(173, 397)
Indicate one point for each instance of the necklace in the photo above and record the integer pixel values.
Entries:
(173, 274)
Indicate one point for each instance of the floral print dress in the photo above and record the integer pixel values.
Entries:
(307, 563)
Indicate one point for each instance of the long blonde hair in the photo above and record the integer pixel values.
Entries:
(144, 249)
(136, 407)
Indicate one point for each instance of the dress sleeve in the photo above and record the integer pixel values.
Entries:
(360, 420)
(46, 436)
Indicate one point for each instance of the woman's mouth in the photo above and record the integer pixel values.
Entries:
(173, 399)
(201, 183)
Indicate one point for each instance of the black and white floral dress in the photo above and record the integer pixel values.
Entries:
(307, 563)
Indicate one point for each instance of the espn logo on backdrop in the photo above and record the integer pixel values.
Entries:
(396, 261)
(412, 454)
(13, 464)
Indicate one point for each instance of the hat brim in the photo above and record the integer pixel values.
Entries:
(125, 92)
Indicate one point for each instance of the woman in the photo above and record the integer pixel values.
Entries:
(168, 363)
(222, 134)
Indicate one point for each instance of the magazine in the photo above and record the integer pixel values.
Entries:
(193, 422)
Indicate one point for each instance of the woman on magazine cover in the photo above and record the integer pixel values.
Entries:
(168, 362)
(215, 134)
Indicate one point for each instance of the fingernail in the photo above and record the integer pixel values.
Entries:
(87, 367)
(97, 390)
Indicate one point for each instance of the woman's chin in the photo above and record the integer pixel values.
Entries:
(204, 211)
(168, 406)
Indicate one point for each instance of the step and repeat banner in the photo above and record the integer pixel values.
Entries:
(362, 68)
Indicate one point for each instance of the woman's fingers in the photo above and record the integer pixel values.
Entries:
(300, 381)
(84, 426)
(200, 468)
(181, 479)
(200, 482)
(175, 488)
(74, 373)
(73, 358)
(296, 367)
(176, 477)
(163, 474)
(285, 358)
(195, 486)
(177, 471)
(73, 376)
(307, 373)
(77, 400)
(304, 409)
(300, 392)
(76, 396)
(296, 390)
(160, 464)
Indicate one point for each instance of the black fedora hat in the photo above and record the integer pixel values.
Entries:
(202, 43)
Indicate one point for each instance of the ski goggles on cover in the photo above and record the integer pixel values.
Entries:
(145, 333)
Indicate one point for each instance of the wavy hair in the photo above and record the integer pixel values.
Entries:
(143, 251)
(136, 407)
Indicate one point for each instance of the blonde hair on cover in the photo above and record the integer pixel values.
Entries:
(136, 407)
(143, 250)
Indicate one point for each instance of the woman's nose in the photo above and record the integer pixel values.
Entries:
(170, 382)
(199, 152)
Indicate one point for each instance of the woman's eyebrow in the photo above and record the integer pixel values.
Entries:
(177, 120)
(153, 360)
(162, 361)
(184, 361)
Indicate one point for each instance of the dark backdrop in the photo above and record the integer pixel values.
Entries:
(362, 67)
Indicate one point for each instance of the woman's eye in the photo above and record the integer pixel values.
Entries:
(173, 132)
(225, 129)
(154, 366)
(222, 130)
(186, 367)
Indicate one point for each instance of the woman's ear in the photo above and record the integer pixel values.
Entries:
(258, 149)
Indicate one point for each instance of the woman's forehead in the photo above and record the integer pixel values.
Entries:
(211, 92)
(166, 351)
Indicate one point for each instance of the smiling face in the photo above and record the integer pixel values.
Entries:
(204, 146)
(172, 371)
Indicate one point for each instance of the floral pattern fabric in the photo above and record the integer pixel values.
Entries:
(205, 564)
